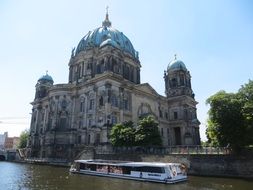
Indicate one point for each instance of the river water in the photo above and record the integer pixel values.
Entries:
(16, 176)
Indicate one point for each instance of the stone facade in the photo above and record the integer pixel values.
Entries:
(104, 88)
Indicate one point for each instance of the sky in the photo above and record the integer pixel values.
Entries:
(214, 38)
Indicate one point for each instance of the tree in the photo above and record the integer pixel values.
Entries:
(147, 133)
(231, 118)
(123, 134)
(226, 122)
(245, 94)
(23, 138)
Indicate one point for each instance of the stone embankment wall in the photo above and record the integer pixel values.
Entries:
(202, 165)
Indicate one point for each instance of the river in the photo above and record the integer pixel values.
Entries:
(16, 176)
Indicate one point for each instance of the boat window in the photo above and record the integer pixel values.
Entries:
(93, 167)
(82, 166)
(102, 168)
(149, 169)
(126, 170)
(116, 169)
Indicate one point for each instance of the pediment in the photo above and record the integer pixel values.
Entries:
(145, 87)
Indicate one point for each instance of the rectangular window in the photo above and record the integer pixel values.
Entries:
(162, 132)
(80, 124)
(79, 139)
(89, 122)
(160, 113)
(126, 107)
(175, 115)
(114, 119)
(82, 107)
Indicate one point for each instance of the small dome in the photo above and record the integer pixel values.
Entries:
(176, 65)
(46, 78)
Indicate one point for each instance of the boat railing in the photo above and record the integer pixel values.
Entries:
(188, 150)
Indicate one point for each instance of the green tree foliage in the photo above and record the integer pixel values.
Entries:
(231, 118)
(246, 96)
(123, 134)
(23, 138)
(145, 134)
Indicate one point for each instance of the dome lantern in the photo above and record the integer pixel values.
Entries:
(107, 22)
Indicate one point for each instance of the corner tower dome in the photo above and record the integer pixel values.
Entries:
(106, 35)
(176, 65)
(46, 78)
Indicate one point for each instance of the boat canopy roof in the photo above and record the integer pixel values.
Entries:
(125, 163)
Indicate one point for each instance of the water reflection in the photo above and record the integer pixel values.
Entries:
(36, 177)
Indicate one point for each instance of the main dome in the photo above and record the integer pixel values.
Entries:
(106, 35)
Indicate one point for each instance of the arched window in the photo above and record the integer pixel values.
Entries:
(182, 83)
(98, 69)
(126, 72)
(64, 104)
(82, 106)
(131, 74)
(92, 104)
(114, 66)
(101, 101)
(174, 82)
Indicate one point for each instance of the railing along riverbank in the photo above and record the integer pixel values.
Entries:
(48, 161)
(187, 150)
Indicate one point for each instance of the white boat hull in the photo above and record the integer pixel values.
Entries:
(122, 176)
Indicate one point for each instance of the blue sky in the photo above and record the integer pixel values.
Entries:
(214, 38)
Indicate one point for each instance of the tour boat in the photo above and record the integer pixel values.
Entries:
(142, 171)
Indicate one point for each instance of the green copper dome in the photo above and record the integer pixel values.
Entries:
(46, 78)
(176, 65)
(106, 35)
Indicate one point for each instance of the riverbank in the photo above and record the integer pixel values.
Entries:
(228, 166)
(199, 163)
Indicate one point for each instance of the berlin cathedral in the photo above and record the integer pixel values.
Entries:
(104, 88)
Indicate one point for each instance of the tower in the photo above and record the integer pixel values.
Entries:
(177, 79)
(42, 86)
(181, 103)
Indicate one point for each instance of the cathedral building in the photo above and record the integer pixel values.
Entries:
(104, 88)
